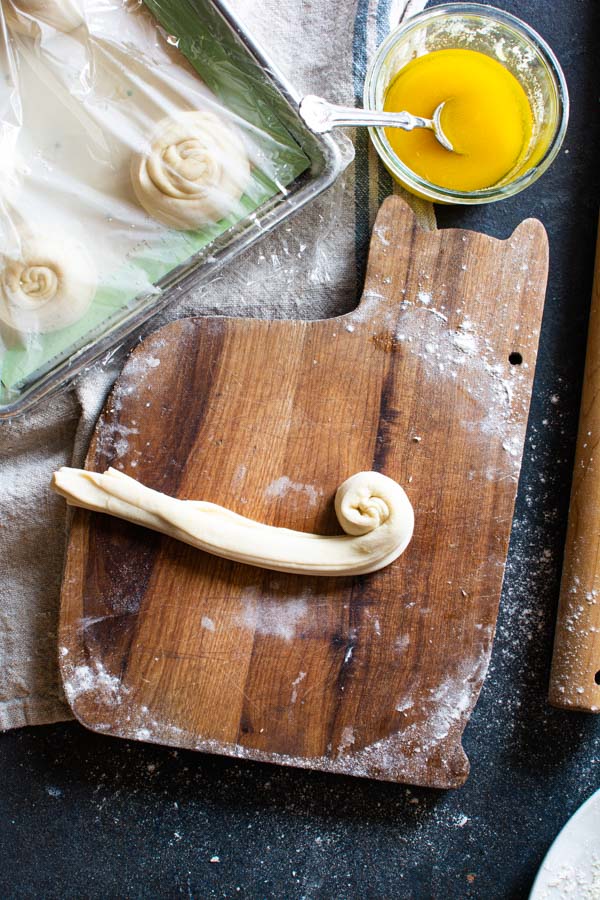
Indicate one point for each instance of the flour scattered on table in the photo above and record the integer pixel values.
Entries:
(94, 678)
(465, 339)
(381, 231)
(283, 486)
(207, 623)
(458, 353)
(54, 792)
(347, 739)
(239, 475)
(295, 684)
(113, 432)
(277, 617)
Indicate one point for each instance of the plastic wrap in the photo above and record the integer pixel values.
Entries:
(138, 143)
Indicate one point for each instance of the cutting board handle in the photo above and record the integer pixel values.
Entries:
(575, 676)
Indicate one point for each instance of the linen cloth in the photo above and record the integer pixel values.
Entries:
(312, 267)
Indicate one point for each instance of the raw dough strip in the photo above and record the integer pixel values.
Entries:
(372, 509)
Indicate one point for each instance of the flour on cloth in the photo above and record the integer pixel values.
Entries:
(311, 267)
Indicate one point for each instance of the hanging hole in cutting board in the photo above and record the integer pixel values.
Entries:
(515, 359)
(597, 677)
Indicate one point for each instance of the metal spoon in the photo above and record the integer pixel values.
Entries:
(322, 116)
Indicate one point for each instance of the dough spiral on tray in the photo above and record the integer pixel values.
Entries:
(194, 171)
(372, 509)
(50, 284)
(23, 16)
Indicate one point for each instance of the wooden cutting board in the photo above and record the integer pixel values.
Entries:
(429, 381)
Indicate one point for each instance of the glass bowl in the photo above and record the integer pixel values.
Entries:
(508, 40)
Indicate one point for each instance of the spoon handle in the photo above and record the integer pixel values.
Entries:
(322, 116)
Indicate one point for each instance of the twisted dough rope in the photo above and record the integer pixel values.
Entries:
(372, 509)
(194, 171)
(23, 16)
(49, 286)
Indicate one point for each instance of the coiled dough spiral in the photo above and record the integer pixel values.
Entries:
(22, 16)
(373, 510)
(194, 171)
(50, 285)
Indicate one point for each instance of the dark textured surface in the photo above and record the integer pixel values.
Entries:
(86, 816)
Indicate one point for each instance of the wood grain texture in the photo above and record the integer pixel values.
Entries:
(575, 675)
(374, 675)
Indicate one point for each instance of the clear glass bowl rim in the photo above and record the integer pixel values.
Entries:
(433, 191)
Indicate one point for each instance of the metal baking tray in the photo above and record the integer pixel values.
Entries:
(327, 159)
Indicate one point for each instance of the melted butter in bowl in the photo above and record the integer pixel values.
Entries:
(487, 117)
(505, 101)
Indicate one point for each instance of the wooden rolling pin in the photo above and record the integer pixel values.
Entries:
(575, 676)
